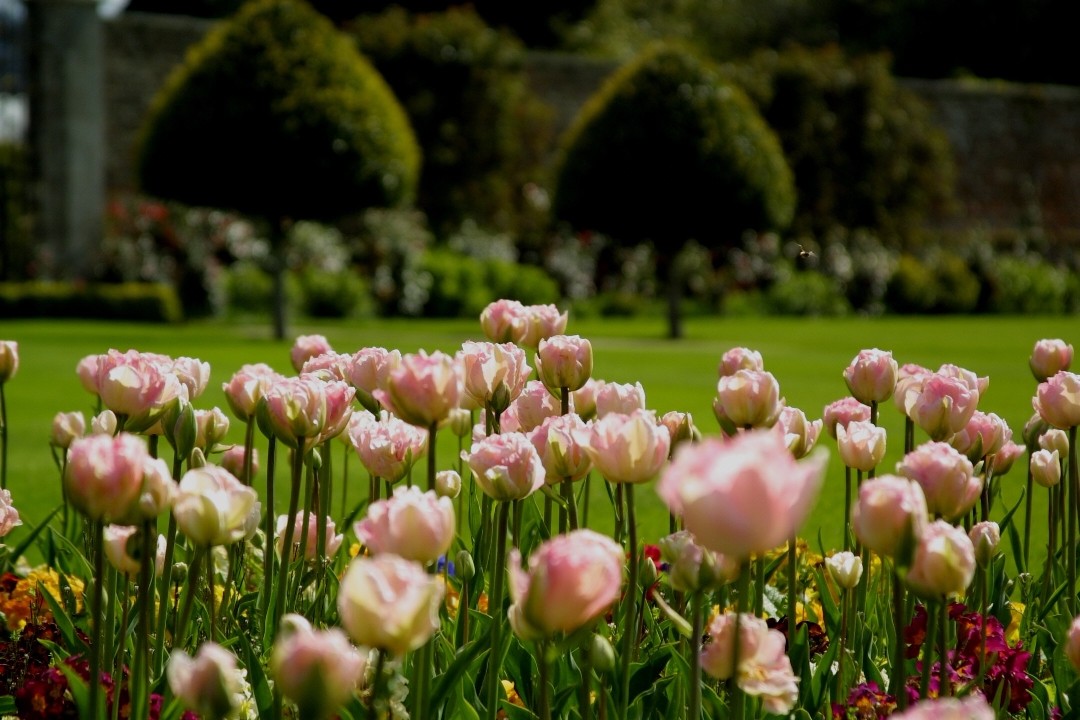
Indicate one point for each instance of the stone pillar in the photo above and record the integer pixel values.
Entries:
(67, 132)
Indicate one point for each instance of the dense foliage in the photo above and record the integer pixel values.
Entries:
(276, 115)
(462, 84)
(668, 151)
(865, 152)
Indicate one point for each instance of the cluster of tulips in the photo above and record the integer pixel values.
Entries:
(479, 590)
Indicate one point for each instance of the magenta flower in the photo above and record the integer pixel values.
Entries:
(569, 582)
(742, 496)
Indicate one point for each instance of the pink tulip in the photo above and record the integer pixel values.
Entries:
(1072, 644)
(317, 669)
(212, 506)
(742, 496)
(681, 428)
(557, 441)
(871, 376)
(339, 409)
(947, 478)
(9, 516)
(1058, 400)
(157, 494)
(861, 445)
(293, 410)
(493, 374)
(123, 545)
(66, 428)
(583, 400)
(627, 448)
(211, 428)
(504, 321)
(130, 384)
(764, 668)
(387, 447)
(1002, 461)
(571, 580)
(331, 538)
(234, 460)
(104, 475)
(800, 435)
(9, 360)
(747, 399)
(369, 370)
(1049, 357)
(328, 366)
(506, 466)
(389, 603)
(970, 707)
(842, 412)
(985, 537)
(944, 561)
(985, 434)
(909, 381)
(193, 374)
(740, 358)
(246, 388)
(87, 370)
(977, 385)
(621, 398)
(541, 323)
(412, 524)
(1055, 439)
(529, 410)
(306, 347)
(890, 516)
(422, 390)
(692, 567)
(447, 484)
(942, 407)
(564, 361)
(210, 684)
(1046, 467)
(104, 423)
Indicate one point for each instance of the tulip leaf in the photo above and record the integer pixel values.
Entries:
(27, 541)
(79, 691)
(468, 656)
(260, 688)
(644, 675)
(828, 605)
(7, 705)
(514, 712)
(63, 621)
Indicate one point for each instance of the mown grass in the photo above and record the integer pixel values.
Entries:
(806, 355)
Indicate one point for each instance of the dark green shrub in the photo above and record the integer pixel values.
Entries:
(668, 151)
(462, 84)
(333, 294)
(1028, 286)
(17, 251)
(276, 115)
(806, 293)
(864, 152)
(943, 283)
(248, 288)
(912, 288)
(527, 284)
(462, 286)
(148, 302)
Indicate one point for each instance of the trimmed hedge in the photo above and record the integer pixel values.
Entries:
(148, 302)
(667, 150)
(276, 115)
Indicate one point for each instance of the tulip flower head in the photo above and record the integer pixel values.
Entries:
(740, 358)
(210, 684)
(569, 582)
(871, 376)
(944, 561)
(504, 321)
(506, 466)
(317, 669)
(332, 540)
(800, 435)
(423, 389)
(742, 496)
(66, 428)
(494, 375)
(369, 370)
(947, 479)
(619, 398)
(1046, 467)
(388, 447)
(104, 475)
(306, 347)
(212, 506)
(844, 411)
(1049, 357)
(861, 445)
(747, 399)
(559, 442)
(564, 361)
(9, 360)
(9, 516)
(415, 525)
(764, 668)
(969, 707)
(627, 448)
(889, 516)
(1058, 400)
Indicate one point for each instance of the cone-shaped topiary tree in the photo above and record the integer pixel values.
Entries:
(667, 151)
(276, 115)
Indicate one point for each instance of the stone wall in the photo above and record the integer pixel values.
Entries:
(1017, 147)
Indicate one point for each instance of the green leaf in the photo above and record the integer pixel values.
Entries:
(7, 705)
(475, 652)
(67, 628)
(260, 687)
(20, 549)
(80, 691)
(644, 675)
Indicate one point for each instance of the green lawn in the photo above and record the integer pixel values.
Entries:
(806, 355)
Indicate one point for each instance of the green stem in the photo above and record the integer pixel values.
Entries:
(545, 680)
(874, 420)
(792, 558)
(286, 552)
(268, 530)
(847, 508)
(3, 439)
(845, 612)
(585, 501)
(249, 444)
(432, 432)
(697, 622)
(1027, 513)
(629, 602)
(164, 593)
(212, 601)
(344, 482)
(566, 488)
(742, 586)
(759, 585)
(584, 689)
(495, 603)
(377, 684)
(97, 537)
(116, 660)
(899, 674)
(928, 649)
(1074, 496)
(984, 576)
(141, 671)
(180, 636)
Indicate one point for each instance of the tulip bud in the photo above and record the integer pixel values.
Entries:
(944, 561)
(104, 423)
(9, 516)
(1049, 357)
(1034, 428)
(1046, 467)
(9, 360)
(564, 361)
(465, 566)
(197, 459)
(447, 484)
(1054, 439)
(601, 654)
(845, 568)
(210, 683)
(740, 358)
(985, 537)
(871, 376)
(66, 428)
(1058, 400)
(460, 422)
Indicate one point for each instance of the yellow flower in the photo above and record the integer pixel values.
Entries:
(1012, 633)
(24, 602)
